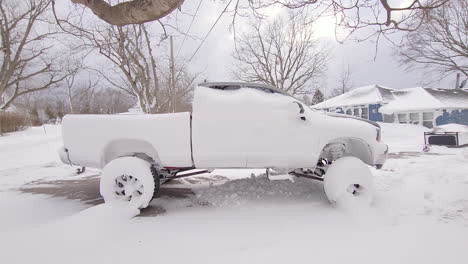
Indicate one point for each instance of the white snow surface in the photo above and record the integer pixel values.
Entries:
(419, 214)
(451, 128)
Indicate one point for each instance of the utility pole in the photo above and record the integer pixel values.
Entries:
(173, 86)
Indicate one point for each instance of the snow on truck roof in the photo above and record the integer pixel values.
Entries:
(237, 85)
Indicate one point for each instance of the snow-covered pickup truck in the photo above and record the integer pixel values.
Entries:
(232, 125)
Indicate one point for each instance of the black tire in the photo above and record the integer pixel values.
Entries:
(157, 181)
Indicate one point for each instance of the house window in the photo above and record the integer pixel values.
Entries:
(349, 112)
(414, 118)
(428, 119)
(356, 111)
(365, 113)
(402, 118)
(388, 118)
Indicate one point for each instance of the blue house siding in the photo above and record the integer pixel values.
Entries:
(455, 116)
(374, 114)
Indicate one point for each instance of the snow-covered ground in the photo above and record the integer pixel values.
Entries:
(420, 212)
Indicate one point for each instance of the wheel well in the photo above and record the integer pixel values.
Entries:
(352, 147)
(129, 147)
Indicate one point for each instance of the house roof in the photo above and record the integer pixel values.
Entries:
(363, 95)
(453, 98)
(393, 100)
(418, 98)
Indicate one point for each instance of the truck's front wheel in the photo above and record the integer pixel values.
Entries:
(128, 180)
(348, 181)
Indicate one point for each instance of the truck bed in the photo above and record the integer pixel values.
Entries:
(88, 137)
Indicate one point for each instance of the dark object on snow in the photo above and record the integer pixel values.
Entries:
(80, 170)
(450, 139)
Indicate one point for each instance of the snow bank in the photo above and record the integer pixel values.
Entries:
(257, 188)
(403, 137)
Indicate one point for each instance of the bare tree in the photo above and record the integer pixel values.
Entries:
(25, 63)
(352, 14)
(344, 81)
(130, 12)
(184, 84)
(283, 53)
(441, 43)
(129, 49)
(76, 90)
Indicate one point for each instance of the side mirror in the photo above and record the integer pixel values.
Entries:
(301, 111)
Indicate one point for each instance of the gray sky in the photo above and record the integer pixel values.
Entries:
(214, 56)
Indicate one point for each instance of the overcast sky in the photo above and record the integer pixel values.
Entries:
(214, 56)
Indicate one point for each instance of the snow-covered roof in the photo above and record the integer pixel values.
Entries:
(370, 94)
(451, 128)
(411, 99)
(417, 99)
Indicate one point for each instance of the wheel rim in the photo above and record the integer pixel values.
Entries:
(127, 187)
(355, 189)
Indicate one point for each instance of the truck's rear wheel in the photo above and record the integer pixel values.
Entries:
(128, 180)
(349, 181)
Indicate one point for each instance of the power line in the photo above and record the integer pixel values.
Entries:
(206, 36)
(211, 29)
(188, 30)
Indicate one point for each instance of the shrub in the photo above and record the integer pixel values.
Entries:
(10, 122)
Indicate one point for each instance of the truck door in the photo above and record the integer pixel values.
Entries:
(251, 128)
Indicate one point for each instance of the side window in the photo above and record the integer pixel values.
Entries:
(365, 113)
(402, 118)
(349, 112)
(225, 87)
(356, 111)
(414, 118)
(428, 119)
(263, 89)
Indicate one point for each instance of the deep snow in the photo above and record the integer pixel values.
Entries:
(419, 215)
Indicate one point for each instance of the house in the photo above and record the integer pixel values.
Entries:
(424, 106)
